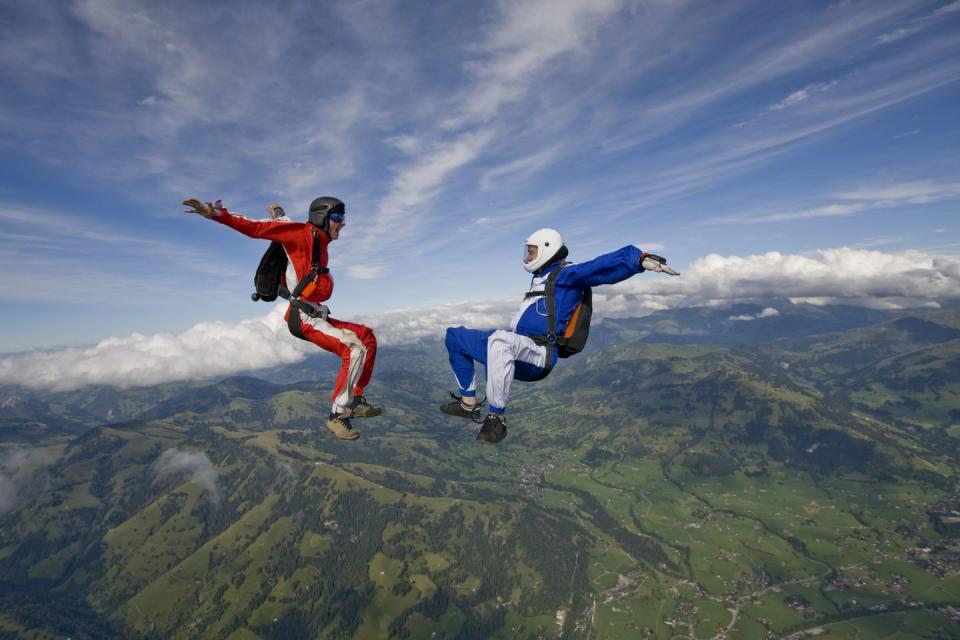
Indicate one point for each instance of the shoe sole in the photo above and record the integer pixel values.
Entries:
(459, 413)
(371, 414)
(491, 440)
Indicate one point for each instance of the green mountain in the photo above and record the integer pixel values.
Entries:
(735, 324)
(644, 490)
(28, 416)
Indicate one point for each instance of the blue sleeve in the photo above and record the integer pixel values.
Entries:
(609, 268)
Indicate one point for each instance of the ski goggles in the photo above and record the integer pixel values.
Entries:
(336, 217)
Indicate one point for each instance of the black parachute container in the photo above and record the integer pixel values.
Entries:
(268, 280)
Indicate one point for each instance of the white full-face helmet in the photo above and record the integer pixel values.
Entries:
(540, 248)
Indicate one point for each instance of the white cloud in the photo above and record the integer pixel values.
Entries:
(914, 192)
(504, 68)
(206, 349)
(856, 276)
(22, 476)
(861, 199)
(768, 312)
(37, 244)
(825, 211)
(898, 34)
(408, 143)
(831, 276)
(803, 94)
(419, 182)
(906, 134)
(410, 325)
(364, 271)
(519, 169)
(948, 8)
(918, 24)
(523, 41)
(192, 466)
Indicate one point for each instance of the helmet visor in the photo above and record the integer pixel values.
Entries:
(530, 252)
(336, 217)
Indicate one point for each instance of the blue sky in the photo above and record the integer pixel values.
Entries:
(452, 130)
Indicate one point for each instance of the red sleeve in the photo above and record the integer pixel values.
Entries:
(278, 230)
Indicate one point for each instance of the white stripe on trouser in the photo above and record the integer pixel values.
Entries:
(358, 354)
(503, 349)
(473, 382)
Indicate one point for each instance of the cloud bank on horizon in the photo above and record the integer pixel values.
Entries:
(836, 276)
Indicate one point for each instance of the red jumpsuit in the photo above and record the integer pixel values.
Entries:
(354, 343)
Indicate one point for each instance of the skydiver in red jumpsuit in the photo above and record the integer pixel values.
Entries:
(306, 316)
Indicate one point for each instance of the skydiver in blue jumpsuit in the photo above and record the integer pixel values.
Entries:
(514, 354)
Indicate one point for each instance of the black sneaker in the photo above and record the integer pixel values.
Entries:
(363, 409)
(494, 429)
(457, 407)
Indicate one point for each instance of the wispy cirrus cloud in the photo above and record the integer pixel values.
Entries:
(41, 244)
(417, 183)
(825, 211)
(918, 23)
(697, 163)
(523, 40)
(913, 192)
(803, 94)
(500, 71)
(857, 201)
(365, 271)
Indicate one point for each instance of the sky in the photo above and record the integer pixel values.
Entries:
(802, 149)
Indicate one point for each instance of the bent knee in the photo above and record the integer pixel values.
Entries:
(499, 341)
(451, 337)
(365, 333)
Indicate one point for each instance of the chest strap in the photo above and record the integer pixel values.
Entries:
(315, 269)
(549, 340)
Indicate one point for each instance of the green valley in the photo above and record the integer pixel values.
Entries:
(803, 485)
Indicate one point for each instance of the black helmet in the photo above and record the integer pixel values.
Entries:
(322, 207)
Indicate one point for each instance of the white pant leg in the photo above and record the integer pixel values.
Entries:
(358, 354)
(503, 349)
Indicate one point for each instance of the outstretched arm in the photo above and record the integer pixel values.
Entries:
(267, 229)
(614, 267)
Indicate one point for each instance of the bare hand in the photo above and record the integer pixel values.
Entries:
(208, 210)
(275, 211)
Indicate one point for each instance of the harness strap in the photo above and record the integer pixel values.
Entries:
(549, 340)
(294, 324)
(315, 269)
